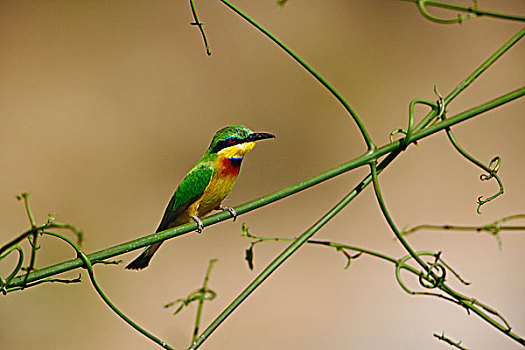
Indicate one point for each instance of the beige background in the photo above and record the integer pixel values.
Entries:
(105, 105)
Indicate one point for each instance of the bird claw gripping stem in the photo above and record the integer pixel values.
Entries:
(199, 222)
(230, 210)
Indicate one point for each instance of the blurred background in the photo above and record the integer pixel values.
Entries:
(105, 105)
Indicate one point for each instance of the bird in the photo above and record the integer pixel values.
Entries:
(206, 184)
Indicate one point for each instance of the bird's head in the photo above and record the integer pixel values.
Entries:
(235, 141)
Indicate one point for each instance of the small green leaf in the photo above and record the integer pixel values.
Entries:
(249, 257)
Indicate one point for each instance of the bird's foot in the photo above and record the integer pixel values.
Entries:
(229, 209)
(199, 223)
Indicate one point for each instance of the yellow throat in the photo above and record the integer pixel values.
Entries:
(237, 151)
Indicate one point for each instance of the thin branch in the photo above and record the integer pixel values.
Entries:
(25, 197)
(390, 221)
(201, 27)
(459, 19)
(33, 239)
(337, 246)
(491, 169)
(427, 279)
(49, 280)
(493, 228)
(472, 11)
(438, 279)
(442, 337)
(201, 300)
(44, 230)
(199, 295)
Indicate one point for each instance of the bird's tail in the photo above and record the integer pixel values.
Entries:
(143, 259)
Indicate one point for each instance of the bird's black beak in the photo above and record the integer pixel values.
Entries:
(256, 136)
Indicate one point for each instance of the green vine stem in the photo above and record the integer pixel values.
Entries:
(425, 123)
(459, 19)
(201, 27)
(491, 169)
(17, 268)
(25, 196)
(390, 221)
(33, 238)
(438, 277)
(493, 228)
(426, 280)
(256, 240)
(199, 295)
(472, 11)
(442, 337)
(201, 300)
(44, 230)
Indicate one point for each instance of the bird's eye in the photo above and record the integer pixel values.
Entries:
(231, 141)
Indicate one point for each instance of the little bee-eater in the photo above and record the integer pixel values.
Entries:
(207, 184)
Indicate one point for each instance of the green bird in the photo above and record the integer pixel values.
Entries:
(206, 185)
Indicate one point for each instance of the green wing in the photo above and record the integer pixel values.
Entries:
(189, 190)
